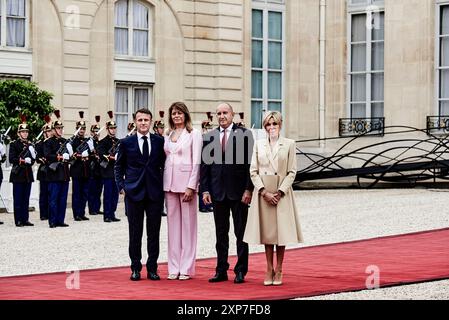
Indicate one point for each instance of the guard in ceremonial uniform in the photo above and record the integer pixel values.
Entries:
(22, 156)
(2, 160)
(131, 128)
(107, 149)
(58, 174)
(95, 179)
(80, 170)
(44, 198)
(242, 120)
(159, 125)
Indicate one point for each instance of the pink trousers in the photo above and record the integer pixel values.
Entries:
(182, 233)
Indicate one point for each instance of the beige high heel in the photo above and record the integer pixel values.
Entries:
(268, 278)
(277, 281)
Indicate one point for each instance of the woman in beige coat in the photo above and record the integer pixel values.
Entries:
(273, 216)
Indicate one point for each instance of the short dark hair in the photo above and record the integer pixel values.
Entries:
(144, 111)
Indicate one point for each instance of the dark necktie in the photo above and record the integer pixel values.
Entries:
(145, 150)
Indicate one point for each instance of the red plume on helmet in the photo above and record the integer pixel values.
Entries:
(57, 114)
(81, 123)
(242, 115)
(47, 125)
(95, 127)
(111, 123)
(161, 114)
(58, 122)
(23, 126)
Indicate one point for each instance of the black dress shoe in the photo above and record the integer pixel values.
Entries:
(44, 218)
(153, 276)
(210, 209)
(62, 225)
(19, 224)
(78, 219)
(28, 224)
(239, 278)
(1, 222)
(84, 218)
(135, 276)
(219, 277)
(93, 213)
(52, 225)
(107, 220)
(115, 219)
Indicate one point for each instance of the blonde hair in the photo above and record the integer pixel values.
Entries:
(275, 115)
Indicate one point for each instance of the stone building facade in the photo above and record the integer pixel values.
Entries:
(318, 61)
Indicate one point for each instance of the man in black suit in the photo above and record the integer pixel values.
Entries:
(225, 182)
(139, 174)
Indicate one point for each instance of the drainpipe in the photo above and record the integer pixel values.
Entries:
(322, 89)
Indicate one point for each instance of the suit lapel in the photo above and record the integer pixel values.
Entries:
(231, 137)
(153, 142)
(269, 154)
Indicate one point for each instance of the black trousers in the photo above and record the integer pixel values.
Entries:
(222, 211)
(135, 213)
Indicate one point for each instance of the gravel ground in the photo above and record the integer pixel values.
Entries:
(327, 216)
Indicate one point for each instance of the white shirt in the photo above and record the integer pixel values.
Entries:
(228, 132)
(140, 141)
(2, 149)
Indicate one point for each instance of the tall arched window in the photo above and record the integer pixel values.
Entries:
(13, 23)
(133, 26)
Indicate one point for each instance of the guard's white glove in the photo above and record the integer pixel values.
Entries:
(85, 154)
(69, 149)
(66, 156)
(28, 160)
(90, 143)
(116, 156)
(2, 150)
(32, 152)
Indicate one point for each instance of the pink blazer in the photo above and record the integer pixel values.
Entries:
(182, 166)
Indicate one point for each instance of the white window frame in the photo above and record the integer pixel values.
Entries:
(438, 68)
(131, 30)
(267, 6)
(3, 25)
(368, 8)
(131, 89)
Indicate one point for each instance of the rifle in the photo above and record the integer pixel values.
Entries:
(113, 150)
(111, 153)
(84, 146)
(3, 135)
(2, 139)
(63, 149)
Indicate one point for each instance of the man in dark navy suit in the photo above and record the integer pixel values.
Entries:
(138, 172)
(226, 183)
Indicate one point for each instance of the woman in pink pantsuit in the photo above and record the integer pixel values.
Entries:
(182, 146)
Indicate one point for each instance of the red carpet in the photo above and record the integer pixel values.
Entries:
(308, 271)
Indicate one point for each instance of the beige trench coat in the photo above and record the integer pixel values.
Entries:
(273, 171)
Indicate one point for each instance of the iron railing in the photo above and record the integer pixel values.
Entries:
(361, 127)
